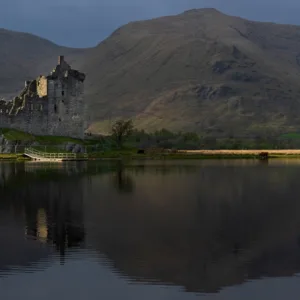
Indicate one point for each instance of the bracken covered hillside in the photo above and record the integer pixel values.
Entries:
(198, 71)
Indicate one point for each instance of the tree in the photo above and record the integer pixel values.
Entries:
(121, 130)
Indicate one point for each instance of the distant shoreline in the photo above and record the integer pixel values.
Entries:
(180, 154)
(242, 152)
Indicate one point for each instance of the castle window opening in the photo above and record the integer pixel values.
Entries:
(55, 108)
(62, 93)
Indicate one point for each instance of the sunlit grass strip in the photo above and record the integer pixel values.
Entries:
(242, 152)
(13, 157)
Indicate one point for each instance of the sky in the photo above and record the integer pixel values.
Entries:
(84, 23)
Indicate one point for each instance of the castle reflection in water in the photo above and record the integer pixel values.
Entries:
(50, 204)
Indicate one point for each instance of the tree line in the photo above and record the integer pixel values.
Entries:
(125, 135)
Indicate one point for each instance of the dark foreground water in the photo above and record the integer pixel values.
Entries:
(156, 230)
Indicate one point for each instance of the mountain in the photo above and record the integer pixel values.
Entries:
(200, 71)
(24, 56)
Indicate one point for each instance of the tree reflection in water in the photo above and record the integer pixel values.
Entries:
(122, 181)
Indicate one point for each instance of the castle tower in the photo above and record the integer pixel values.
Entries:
(65, 101)
(49, 105)
(61, 59)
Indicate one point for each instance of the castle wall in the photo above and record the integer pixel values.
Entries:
(32, 118)
(42, 86)
(76, 109)
(5, 107)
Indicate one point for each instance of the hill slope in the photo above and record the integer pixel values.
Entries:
(200, 70)
(24, 56)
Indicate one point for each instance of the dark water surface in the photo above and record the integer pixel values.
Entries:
(155, 230)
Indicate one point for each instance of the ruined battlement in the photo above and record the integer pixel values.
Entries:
(49, 105)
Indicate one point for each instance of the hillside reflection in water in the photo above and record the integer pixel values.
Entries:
(155, 230)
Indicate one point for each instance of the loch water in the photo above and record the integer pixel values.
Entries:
(210, 229)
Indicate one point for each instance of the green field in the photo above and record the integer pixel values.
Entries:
(17, 135)
(292, 135)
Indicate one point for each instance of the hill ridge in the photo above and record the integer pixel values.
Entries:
(217, 76)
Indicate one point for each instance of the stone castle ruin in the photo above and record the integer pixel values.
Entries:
(49, 105)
